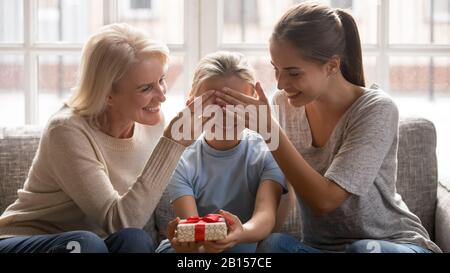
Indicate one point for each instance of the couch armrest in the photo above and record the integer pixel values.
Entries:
(442, 224)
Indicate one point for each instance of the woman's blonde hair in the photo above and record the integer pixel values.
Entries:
(106, 57)
(222, 63)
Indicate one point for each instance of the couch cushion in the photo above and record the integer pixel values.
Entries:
(164, 213)
(417, 169)
(17, 149)
(293, 225)
(417, 174)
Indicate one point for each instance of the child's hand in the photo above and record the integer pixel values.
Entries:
(190, 247)
(235, 232)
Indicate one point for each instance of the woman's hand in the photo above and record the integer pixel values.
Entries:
(229, 96)
(190, 247)
(187, 126)
(235, 232)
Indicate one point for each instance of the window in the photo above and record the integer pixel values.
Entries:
(141, 4)
(11, 27)
(406, 48)
(426, 22)
(41, 43)
(439, 11)
(68, 21)
(343, 4)
(241, 16)
(139, 9)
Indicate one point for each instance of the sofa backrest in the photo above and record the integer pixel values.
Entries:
(417, 174)
(17, 149)
(416, 182)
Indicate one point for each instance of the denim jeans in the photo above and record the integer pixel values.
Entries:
(128, 240)
(283, 243)
(166, 247)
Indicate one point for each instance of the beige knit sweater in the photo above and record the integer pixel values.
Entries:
(83, 179)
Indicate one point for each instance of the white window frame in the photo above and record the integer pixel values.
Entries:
(211, 19)
(202, 26)
(31, 48)
(440, 16)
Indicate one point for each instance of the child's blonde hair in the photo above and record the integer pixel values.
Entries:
(222, 63)
(106, 57)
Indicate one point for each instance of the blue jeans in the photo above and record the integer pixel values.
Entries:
(128, 240)
(166, 247)
(283, 243)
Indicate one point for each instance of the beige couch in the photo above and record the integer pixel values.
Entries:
(417, 179)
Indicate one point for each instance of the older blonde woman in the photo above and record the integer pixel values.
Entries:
(104, 159)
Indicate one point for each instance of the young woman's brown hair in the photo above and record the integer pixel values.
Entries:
(320, 33)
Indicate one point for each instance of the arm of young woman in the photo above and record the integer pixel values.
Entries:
(321, 194)
(368, 139)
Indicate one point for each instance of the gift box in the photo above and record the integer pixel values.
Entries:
(212, 227)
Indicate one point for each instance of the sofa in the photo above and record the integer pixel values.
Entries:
(417, 179)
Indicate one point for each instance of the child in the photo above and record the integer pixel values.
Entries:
(239, 176)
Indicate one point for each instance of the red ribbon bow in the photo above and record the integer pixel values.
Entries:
(200, 224)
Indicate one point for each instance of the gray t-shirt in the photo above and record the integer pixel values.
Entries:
(361, 157)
